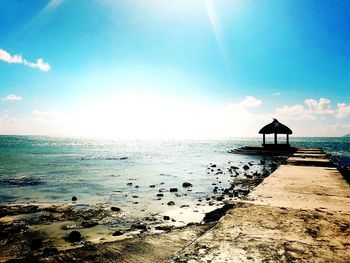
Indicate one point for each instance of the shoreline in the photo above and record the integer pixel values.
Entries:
(40, 228)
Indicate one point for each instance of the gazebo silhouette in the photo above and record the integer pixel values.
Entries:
(275, 127)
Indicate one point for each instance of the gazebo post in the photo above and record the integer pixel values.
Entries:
(275, 128)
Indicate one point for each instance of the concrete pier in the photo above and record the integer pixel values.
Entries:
(300, 213)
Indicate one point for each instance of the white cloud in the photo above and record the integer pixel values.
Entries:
(276, 94)
(5, 56)
(17, 59)
(297, 112)
(343, 110)
(40, 64)
(52, 5)
(146, 116)
(323, 107)
(45, 116)
(12, 97)
(250, 101)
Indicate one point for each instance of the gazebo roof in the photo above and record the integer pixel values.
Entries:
(275, 127)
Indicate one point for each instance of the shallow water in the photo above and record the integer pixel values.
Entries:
(119, 173)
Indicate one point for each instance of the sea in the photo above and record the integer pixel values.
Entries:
(127, 174)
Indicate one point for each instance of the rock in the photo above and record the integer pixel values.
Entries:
(217, 213)
(172, 190)
(152, 186)
(142, 227)
(182, 206)
(49, 251)
(135, 196)
(171, 203)
(164, 228)
(312, 232)
(115, 209)
(74, 199)
(166, 217)
(234, 167)
(213, 165)
(129, 184)
(187, 184)
(123, 158)
(118, 233)
(246, 167)
(160, 195)
(36, 243)
(136, 186)
(74, 236)
(89, 223)
(262, 162)
(220, 198)
(69, 227)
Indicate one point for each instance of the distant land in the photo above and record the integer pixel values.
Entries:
(347, 135)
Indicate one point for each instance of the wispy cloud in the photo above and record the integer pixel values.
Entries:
(276, 94)
(250, 101)
(215, 23)
(41, 18)
(52, 5)
(18, 59)
(343, 110)
(12, 97)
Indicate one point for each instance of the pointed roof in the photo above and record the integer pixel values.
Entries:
(275, 127)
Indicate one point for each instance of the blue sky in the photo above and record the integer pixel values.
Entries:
(175, 65)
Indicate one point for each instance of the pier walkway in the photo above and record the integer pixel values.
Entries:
(300, 213)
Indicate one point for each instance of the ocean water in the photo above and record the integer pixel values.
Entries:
(51, 170)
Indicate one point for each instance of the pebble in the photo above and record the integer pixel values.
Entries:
(115, 209)
(246, 167)
(118, 233)
(187, 184)
(74, 236)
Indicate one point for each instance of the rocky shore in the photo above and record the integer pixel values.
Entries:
(46, 232)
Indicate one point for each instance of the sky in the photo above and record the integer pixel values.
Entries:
(164, 69)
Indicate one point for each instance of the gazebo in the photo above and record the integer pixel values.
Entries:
(275, 128)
